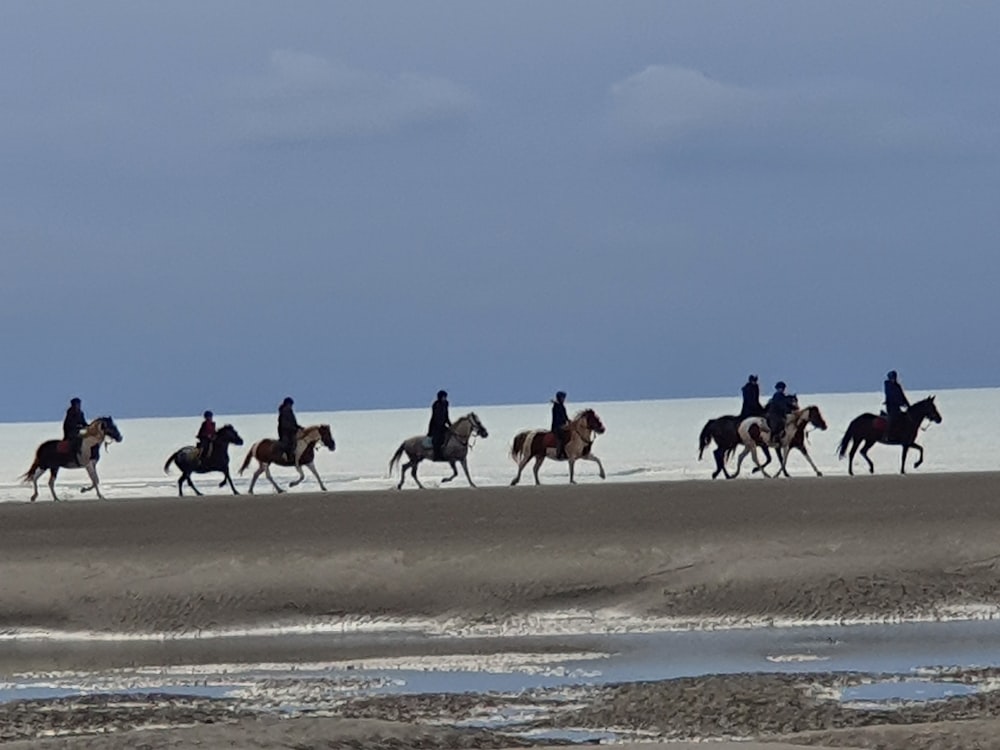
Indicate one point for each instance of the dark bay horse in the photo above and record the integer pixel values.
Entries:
(53, 455)
(581, 432)
(723, 430)
(455, 449)
(188, 460)
(268, 451)
(868, 429)
(754, 431)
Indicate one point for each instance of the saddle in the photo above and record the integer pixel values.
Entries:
(64, 447)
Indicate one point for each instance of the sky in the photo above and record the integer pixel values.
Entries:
(215, 204)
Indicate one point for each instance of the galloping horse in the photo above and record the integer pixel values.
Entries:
(541, 444)
(723, 430)
(754, 431)
(268, 451)
(455, 449)
(189, 460)
(53, 455)
(870, 429)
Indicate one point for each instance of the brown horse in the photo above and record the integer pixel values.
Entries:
(870, 429)
(541, 444)
(268, 451)
(723, 430)
(53, 455)
(754, 431)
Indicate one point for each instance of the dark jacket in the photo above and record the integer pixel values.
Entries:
(751, 401)
(207, 430)
(73, 423)
(895, 399)
(287, 423)
(559, 416)
(780, 405)
(440, 421)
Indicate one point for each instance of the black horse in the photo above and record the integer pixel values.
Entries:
(189, 461)
(870, 429)
(53, 455)
(724, 431)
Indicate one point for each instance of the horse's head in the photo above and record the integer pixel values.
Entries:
(815, 418)
(926, 409)
(326, 437)
(477, 426)
(106, 427)
(228, 434)
(591, 421)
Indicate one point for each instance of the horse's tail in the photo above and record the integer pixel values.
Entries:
(173, 457)
(705, 438)
(520, 445)
(35, 466)
(396, 456)
(250, 454)
(846, 440)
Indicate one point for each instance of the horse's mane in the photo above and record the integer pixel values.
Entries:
(583, 413)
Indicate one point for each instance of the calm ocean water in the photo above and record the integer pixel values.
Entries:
(645, 441)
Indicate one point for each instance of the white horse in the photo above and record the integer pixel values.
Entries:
(581, 432)
(269, 451)
(455, 449)
(53, 455)
(755, 431)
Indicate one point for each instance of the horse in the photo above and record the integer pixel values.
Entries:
(188, 459)
(541, 444)
(870, 429)
(723, 430)
(454, 450)
(754, 431)
(53, 455)
(268, 451)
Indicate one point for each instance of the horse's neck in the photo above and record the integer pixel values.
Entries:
(92, 437)
(462, 428)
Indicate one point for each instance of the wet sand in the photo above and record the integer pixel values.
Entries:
(806, 549)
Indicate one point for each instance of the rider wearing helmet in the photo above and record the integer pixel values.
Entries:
(288, 428)
(751, 399)
(440, 424)
(73, 423)
(206, 436)
(895, 400)
(559, 421)
(777, 409)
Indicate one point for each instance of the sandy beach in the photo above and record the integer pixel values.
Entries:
(496, 560)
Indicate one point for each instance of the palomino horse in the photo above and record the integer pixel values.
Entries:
(541, 444)
(870, 429)
(454, 450)
(53, 455)
(754, 431)
(268, 451)
(189, 460)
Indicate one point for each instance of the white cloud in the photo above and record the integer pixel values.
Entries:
(306, 97)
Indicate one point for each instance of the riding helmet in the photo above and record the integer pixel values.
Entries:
(74, 401)
(892, 375)
(780, 385)
(208, 415)
(752, 378)
(442, 394)
(288, 401)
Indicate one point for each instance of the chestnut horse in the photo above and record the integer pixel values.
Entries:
(189, 460)
(53, 455)
(754, 432)
(870, 429)
(541, 444)
(455, 449)
(268, 451)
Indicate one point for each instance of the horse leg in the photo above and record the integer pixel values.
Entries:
(52, 482)
(454, 472)
(312, 467)
(520, 468)
(402, 475)
(228, 478)
(302, 477)
(34, 483)
(538, 463)
(902, 462)
(864, 454)
(921, 459)
(805, 453)
(850, 461)
(719, 465)
(465, 468)
(572, 463)
(191, 485)
(413, 472)
(596, 460)
(267, 473)
(92, 471)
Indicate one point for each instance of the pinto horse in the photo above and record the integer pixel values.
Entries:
(455, 449)
(541, 444)
(53, 455)
(268, 451)
(754, 432)
(870, 429)
(189, 460)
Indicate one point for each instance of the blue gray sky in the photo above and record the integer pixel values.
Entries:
(214, 204)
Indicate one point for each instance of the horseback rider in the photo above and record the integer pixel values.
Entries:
(778, 409)
(440, 424)
(206, 437)
(559, 421)
(288, 428)
(895, 400)
(751, 399)
(73, 424)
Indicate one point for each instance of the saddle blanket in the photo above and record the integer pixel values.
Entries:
(427, 443)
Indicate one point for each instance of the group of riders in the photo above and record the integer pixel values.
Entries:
(781, 404)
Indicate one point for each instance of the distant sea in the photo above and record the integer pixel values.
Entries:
(645, 441)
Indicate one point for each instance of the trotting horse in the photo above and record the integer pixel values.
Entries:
(454, 450)
(870, 429)
(723, 430)
(268, 451)
(541, 444)
(53, 455)
(754, 431)
(188, 459)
